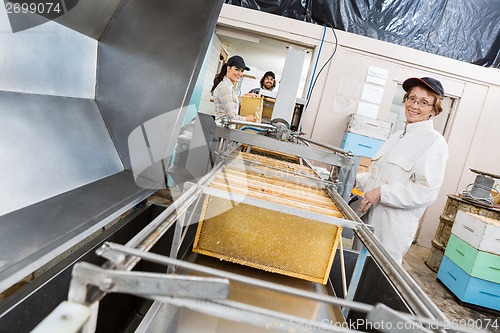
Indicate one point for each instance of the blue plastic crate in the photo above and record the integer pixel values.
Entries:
(361, 145)
(467, 288)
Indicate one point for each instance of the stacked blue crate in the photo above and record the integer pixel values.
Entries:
(471, 264)
(361, 145)
(364, 135)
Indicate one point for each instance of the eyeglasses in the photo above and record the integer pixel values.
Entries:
(421, 104)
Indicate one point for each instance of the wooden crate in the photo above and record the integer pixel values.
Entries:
(454, 204)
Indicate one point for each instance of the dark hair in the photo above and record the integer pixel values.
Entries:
(264, 77)
(219, 77)
(438, 105)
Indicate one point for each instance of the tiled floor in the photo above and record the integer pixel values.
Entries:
(414, 263)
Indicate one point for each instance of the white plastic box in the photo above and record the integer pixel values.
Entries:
(367, 126)
(481, 232)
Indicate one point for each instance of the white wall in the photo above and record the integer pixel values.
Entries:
(212, 61)
(473, 136)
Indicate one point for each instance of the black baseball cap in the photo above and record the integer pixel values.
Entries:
(238, 62)
(269, 73)
(427, 82)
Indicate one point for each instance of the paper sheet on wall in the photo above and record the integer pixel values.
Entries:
(368, 109)
(345, 105)
(348, 87)
(372, 93)
(377, 75)
(347, 96)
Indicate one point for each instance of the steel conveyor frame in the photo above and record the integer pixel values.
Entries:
(336, 157)
(91, 284)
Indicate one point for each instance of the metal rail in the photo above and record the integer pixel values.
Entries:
(422, 306)
(148, 236)
(109, 247)
(376, 313)
(284, 147)
(324, 145)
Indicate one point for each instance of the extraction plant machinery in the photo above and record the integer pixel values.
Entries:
(251, 248)
(117, 216)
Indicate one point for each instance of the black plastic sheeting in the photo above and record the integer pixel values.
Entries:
(465, 30)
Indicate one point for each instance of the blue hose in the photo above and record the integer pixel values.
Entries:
(316, 64)
(260, 130)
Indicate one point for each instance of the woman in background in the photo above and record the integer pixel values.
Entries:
(227, 103)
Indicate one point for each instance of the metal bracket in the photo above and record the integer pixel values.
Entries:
(115, 257)
(151, 284)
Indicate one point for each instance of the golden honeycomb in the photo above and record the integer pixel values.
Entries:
(266, 239)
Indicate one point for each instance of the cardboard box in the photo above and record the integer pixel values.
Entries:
(251, 106)
(268, 105)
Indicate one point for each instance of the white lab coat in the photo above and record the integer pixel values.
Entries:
(409, 168)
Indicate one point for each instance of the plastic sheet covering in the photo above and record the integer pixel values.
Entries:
(289, 8)
(466, 30)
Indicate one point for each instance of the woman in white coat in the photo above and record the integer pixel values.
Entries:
(407, 172)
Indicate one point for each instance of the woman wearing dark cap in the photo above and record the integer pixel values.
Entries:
(407, 172)
(227, 103)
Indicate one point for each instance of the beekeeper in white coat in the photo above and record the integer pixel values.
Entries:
(408, 170)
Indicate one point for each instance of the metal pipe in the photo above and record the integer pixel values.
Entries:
(251, 124)
(343, 206)
(324, 145)
(159, 259)
(176, 206)
(148, 236)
